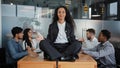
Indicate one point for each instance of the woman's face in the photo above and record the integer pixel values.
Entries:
(30, 33)
(61, 13)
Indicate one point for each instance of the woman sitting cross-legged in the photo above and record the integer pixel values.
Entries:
(61, 43)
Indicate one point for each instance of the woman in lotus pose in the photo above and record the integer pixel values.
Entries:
(61, 43)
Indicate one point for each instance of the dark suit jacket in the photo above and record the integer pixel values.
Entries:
(53, 33)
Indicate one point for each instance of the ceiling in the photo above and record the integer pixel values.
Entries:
(45, 3)
(42, 3)
(51, 3)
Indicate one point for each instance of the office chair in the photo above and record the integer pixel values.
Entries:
(2, 58)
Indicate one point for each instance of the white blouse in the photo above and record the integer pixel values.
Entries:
(61, 38)
(35, 45)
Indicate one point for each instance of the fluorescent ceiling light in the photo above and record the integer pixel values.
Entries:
(11, 3)
(96, 15)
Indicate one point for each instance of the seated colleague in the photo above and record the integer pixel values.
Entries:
(14, 50)
(60, 42)
(104, 53)
(28, 41)
(91, 40)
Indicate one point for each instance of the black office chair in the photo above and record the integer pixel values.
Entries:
(117, 53)
(2, 58)
(117, 56)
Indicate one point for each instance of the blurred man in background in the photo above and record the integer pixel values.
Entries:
(91, 40)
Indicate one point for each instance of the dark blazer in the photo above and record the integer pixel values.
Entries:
(53, 33)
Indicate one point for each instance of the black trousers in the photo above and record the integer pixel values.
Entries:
(58, 50)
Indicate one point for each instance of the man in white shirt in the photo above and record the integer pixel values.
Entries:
(91, 40)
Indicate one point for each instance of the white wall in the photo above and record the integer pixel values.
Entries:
(8, 10)
(0, 26)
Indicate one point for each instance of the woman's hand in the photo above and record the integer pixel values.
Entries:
(32, 54)
(39, 38)
(28, 48)
(81, 40)
(32, 49)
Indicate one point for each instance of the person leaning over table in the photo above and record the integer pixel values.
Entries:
(14, 50)
(61, 43)
(104, 53)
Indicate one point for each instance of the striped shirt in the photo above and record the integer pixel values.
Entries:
(105, 53)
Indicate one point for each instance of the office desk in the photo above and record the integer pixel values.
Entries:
(84, 61)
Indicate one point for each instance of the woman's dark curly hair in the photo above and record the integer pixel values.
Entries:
(26, 37)
(68, 17)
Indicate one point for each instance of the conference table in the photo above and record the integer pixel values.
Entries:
(84, 61)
